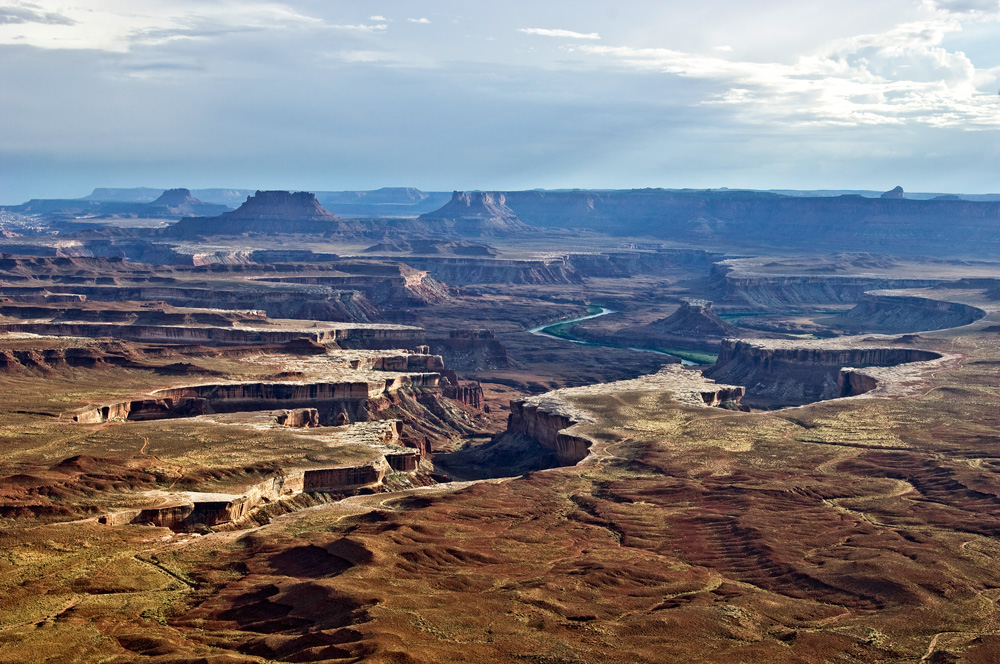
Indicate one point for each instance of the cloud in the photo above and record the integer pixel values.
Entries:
(362, 27)
(26, 12)
(569, 34)
(419, 20)
(119, 25)
(724, 49)
(902, 76)
(378, 18)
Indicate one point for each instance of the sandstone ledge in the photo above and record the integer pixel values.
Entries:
(553, 418)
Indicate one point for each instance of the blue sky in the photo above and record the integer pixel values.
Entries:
(442, 95)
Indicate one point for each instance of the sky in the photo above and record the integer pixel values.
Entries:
(462, 94)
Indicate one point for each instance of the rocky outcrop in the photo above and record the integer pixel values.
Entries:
(693, 325)
(144, 409)
(345, 478)
(471, 393)
(854, 382)
(403, 462)
(893, 313)
(778, 373)
(476, 214)
(298, 418)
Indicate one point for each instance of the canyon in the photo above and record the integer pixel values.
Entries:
(288, 432)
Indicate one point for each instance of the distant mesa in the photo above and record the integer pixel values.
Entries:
(175, 197)
(180, 202)
(173, 203)
(477, 213)
(266, 212)
(281, 206)
(896, 192)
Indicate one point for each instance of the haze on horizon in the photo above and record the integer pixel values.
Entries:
(443, 95)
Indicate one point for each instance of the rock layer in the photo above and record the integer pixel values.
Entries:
(779, 373)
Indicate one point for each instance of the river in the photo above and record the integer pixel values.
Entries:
(541, 331)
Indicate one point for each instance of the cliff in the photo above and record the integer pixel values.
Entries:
(778, 373)
(192, 511)
(733, 285)
(330, 399)
(547, 425)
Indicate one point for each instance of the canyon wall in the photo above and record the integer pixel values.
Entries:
(734, 286)
(349, 397)
(778, 374)
(194, 511)
(898, 313)
(546, 427)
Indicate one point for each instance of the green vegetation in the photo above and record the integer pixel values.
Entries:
(696, 356)
(561, 330)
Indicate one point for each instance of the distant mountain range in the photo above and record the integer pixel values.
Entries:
(892, 222)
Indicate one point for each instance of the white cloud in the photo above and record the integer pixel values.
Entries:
(902, 76)
(362, 27)
(117, 25)
(419, 20)
(378, 19)
(724, 49)
(545, 32)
